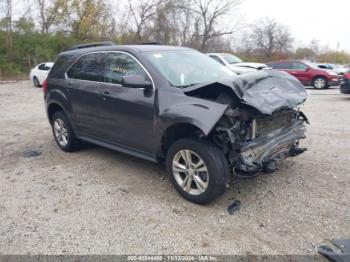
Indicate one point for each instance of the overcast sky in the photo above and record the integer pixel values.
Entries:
(326, 21)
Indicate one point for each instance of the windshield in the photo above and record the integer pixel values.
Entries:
(231, 59)
(188, 67)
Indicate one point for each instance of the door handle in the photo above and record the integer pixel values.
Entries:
(105, 95)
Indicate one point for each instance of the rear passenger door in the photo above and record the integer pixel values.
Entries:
(127, 112)
(85, 79)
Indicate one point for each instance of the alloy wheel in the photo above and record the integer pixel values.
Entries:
(61, 132)
(319, 83)
(190, 172)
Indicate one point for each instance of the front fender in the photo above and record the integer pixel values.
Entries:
(203, 116)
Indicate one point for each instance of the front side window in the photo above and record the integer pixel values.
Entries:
(88, 67)
(188, 67)
(119, 65)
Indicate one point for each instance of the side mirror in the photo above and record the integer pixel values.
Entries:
(307, 69)
(136, 81)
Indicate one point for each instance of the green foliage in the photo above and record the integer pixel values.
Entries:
(305, 53)
(24, 26)
(31, 48)
(337, 57)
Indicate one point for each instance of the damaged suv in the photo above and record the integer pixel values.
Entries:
(178, 106)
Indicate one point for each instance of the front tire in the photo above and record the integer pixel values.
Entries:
(63, 132)
(197, 169)
(319, 82)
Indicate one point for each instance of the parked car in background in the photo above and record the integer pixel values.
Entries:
(308, 73)
(345, 85)
(339, 69)
(39, 73)
(176, 105)
(236, 64)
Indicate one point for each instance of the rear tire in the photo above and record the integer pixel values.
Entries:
(320, 82)
(63, 132)
(36, 82)
(196, 181)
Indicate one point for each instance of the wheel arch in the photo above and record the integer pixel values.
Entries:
(322, 76)
(178, 131)
(53, 108)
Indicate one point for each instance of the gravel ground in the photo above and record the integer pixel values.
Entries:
(97, 201)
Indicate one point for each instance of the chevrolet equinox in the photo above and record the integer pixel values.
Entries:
(178, 106)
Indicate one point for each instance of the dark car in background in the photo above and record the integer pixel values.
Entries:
(178, 106)
(345, 85)
(308, 73)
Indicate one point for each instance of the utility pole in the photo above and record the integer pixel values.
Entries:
(9, 40)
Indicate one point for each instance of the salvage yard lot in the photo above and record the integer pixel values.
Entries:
(97, 201)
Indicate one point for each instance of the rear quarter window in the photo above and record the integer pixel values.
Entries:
(60, 66)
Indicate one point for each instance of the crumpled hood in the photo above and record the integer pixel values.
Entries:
(266, 90)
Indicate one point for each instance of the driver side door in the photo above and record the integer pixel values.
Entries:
(301, 72)
(127, 113)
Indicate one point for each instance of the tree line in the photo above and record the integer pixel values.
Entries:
(39, 29)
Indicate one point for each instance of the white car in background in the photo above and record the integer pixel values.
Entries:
(39, 73)
(235, 64)
(339, 69)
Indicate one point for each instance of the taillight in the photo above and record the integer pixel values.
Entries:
(44, 86)
(346, 76)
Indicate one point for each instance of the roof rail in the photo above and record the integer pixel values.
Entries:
(95, 44)
(150, 43)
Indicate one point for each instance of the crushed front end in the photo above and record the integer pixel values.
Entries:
(262, 123)
(254, 142)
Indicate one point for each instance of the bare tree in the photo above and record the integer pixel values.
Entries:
(8, 25)
(208, 14)
(142, 11)
(50, 12)
(270, 38)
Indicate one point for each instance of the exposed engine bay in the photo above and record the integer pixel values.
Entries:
(262, 123)
(254, 142)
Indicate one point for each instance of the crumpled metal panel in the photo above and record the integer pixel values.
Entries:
(266, 90)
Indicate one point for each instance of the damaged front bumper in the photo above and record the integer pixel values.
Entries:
(274, 146)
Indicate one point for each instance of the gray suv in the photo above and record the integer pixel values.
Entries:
(178, 106)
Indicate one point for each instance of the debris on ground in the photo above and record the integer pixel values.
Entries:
(31, 153)
(234, 206)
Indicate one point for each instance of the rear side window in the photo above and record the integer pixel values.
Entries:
(119, 65)
(44, 67)
(60, 66)
(88, 67)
